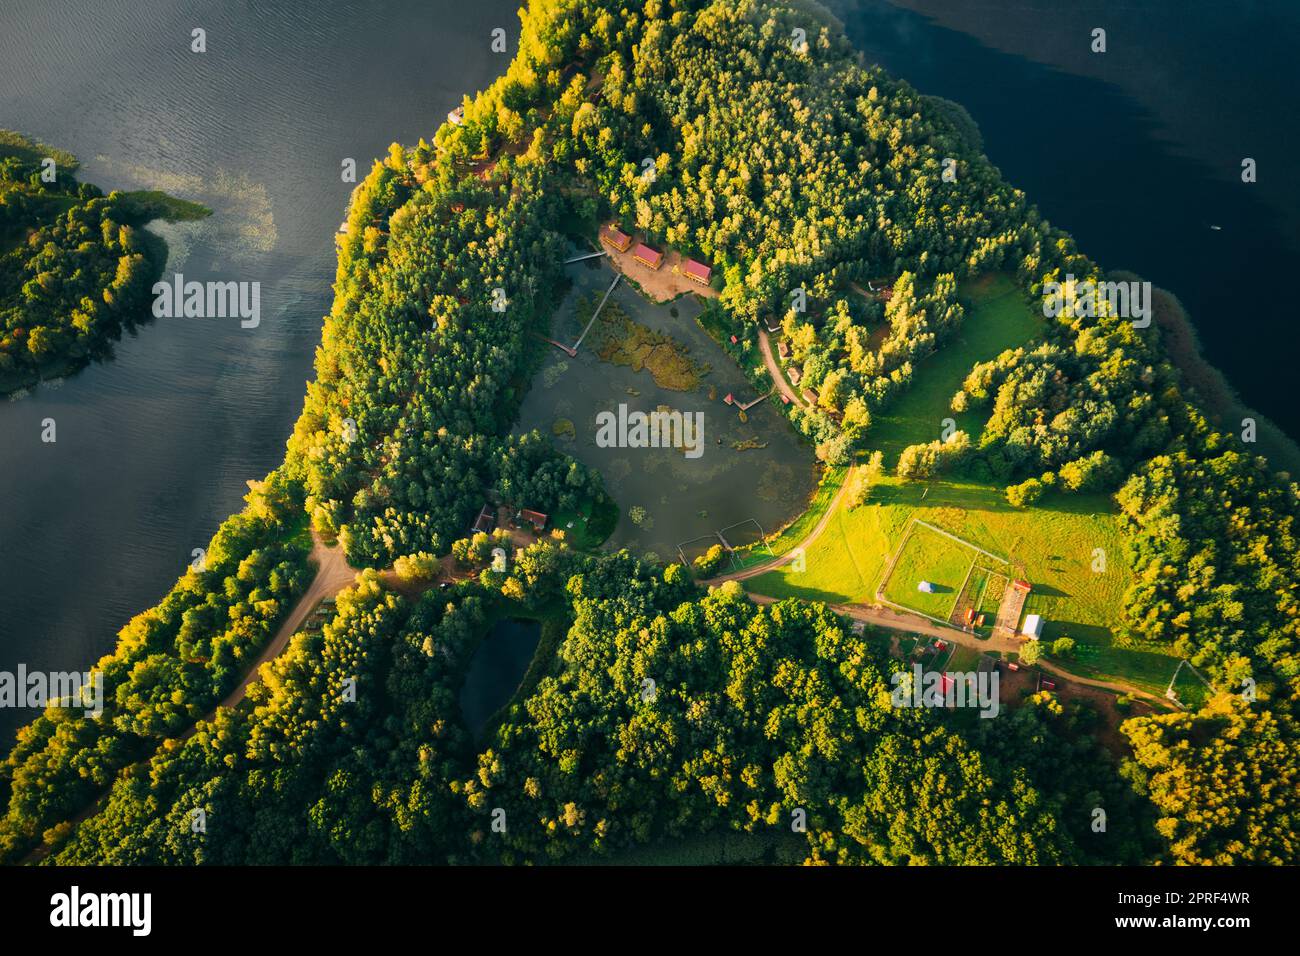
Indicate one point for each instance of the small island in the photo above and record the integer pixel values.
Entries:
(76, 266)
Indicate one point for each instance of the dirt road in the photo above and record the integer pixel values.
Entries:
(774, 369)
(803, 545)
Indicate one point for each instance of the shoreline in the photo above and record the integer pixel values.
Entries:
(1210, 389)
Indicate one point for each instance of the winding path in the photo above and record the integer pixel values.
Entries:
(803, 545)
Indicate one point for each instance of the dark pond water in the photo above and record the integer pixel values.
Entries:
(498, 666)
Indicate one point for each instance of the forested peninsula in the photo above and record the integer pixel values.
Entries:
(787, 164)
(76, 266)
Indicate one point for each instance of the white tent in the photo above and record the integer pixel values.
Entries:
(925, 586)
(1033, 626)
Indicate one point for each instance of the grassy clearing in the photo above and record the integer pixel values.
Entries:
(592, 523)
(996, 319)
(936, 559)
(1053, 544)
(831, 481)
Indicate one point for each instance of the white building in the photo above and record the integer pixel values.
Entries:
(1033, 627)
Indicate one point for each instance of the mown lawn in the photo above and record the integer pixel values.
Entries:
(941, 562)
(996, 319)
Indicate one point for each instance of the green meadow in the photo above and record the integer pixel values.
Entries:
(1057, 544)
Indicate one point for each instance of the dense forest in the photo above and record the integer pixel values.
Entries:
(75, 266)
(772, 720)
(662, 712)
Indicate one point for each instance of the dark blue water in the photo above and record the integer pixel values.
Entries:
(499, 665)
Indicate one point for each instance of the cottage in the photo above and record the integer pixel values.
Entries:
(650, 258)
(697, 271)
(1033, 628)
(615, 238)
(810, 396)
(783, 349)
(534, 518)
(457, 116)
(795, 375)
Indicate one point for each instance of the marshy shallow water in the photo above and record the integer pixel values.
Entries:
(686, 500)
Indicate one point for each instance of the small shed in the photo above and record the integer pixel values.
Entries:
(926, 586)
(1033, 626)
(615, 238)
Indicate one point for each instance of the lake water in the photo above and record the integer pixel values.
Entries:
(497, 669)
(154, 448)
(1135, 153)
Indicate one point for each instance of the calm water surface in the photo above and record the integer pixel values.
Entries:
(154, 447)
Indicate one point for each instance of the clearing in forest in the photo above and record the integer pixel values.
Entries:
(931, 570)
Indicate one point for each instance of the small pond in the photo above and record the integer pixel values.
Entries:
(497, 669)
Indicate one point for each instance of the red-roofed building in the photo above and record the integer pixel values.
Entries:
(534, 518)
(651, 258)
(615, 238)
(697, 271)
